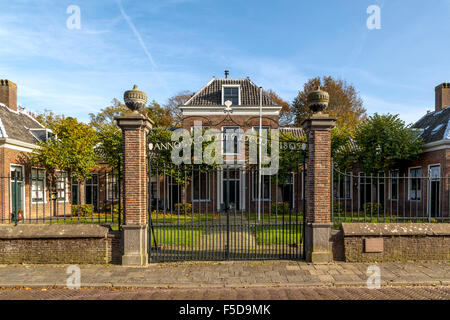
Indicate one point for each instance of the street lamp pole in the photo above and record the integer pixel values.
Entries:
(260, 154)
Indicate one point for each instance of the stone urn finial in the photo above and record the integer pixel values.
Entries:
(135, 99)
(318, 100)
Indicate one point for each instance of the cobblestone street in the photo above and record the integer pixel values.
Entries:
(273, 293)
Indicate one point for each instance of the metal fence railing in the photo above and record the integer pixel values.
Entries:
(31, 195)
(201, 213)
(394, 197)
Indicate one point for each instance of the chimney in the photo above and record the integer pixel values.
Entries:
(8, 94)
(442, 96)
(227, 73)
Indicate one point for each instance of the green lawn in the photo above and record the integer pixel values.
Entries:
(275, 218)
(171, 218)
(278, 234)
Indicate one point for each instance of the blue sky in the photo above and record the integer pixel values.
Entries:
(173, 45)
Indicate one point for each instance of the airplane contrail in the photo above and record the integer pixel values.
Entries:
(136, 33)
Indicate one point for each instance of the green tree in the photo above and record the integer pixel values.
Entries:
(161, 116)
(342, 147)
(345, 103)
(173, 103)
(287, 114)
(384, 141)
(47, 117)
(72, 150)
(109, 135)
(291, 160)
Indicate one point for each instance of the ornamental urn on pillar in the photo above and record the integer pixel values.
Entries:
(318, 100)
(135, 99)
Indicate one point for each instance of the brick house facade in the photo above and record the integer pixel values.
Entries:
(419, 188)
(207, 191)
(25, 189)
(30, 190)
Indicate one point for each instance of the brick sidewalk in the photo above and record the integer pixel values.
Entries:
(227, 274)
(268, 294)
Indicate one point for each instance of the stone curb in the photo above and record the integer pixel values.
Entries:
(119, 285)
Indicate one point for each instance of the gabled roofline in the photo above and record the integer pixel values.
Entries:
(251, 82)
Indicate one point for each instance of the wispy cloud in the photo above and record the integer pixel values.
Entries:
(136, 33)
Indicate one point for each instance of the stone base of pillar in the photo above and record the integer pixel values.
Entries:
(135, 245)
(317, 242)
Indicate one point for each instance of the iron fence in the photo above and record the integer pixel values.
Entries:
(31, 195)
(200, 213)
(397, 196)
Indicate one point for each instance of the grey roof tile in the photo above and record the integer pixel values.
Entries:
(435, 125)
(16, 125)
(211, 94)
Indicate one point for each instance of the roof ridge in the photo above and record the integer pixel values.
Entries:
(32, 118)
(205, 86)
(264, 92)
(9, 109)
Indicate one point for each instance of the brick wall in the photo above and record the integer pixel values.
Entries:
(32, 210)
(135, 173)
(400, 242)
(65, 244)
(318, 181)
(8, 94)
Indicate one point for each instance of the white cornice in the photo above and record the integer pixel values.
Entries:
(437, 145)
(17, 145)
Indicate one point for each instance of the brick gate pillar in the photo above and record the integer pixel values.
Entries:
(318, 180)
(134, 132)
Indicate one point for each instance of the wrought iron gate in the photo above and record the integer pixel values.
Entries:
(202, 213)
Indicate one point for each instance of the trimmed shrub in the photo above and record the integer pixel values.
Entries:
(280, 207)
(182, 208)
(373, 208)
(82, 210)
(338, 208)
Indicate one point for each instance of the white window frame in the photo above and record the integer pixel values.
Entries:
(410, 184)
(255, 187)
(293, 189)
(72, 184)
(44, 200)
(429, 186)
(208, 188)
(390, 184)
(92, 185)
(231, 86)
(109, 184)
(236, 128)
(303, 184)
(350, 190)
(65, 186)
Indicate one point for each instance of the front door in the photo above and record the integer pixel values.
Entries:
(17, 187)
(231, 188)
(435, 182)
(91, 191)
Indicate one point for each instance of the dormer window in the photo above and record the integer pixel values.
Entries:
(232, 93)
(43, 134)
